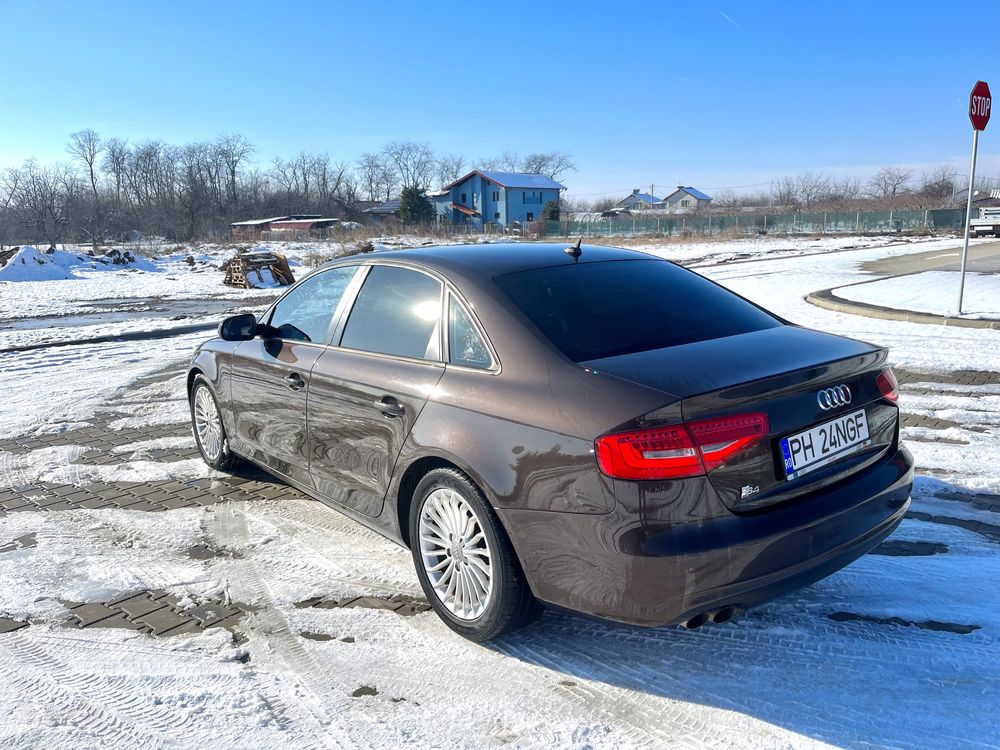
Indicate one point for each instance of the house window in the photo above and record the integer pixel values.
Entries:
(496, 214)
(463, 199)
(531, 216)
(686, 202)
(496, 196)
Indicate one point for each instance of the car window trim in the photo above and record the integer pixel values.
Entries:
(337, 314)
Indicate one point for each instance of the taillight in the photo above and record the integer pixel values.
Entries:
(676, 451)
(887, 385)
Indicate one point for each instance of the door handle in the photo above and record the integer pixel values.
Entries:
(390, 407)
(295, 382)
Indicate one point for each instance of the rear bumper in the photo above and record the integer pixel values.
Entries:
(656, 560)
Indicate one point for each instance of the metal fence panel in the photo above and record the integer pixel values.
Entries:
(793, 223)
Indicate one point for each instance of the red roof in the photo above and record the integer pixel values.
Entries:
(465, 210)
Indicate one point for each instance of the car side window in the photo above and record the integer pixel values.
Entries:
(465, 344)
(398, 312)
(306, 312)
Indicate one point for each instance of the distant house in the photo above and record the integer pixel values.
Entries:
(502, 198)
(316, 227)
(685, 199)
(384, 212)
(638, 201)
(255, 229)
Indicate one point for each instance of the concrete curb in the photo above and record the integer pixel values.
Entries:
(148, 335)
(825, 298)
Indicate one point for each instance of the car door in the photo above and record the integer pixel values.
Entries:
(367, 392)
(270, 374)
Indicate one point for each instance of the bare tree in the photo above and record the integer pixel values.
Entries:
(939, 184)
(413, 162)
(889, 182)
(552, 164)
(39, 201)
(785, 191)
(377, 177)
(86, 146)
(449, 168)
(234, 150)
(811, 187)
(116, 159)
(727, 200)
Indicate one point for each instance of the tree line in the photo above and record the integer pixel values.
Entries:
(888, 188)
(108, 188)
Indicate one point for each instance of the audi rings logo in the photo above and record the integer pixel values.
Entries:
(831, 398)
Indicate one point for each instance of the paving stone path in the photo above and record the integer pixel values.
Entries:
(159, 613)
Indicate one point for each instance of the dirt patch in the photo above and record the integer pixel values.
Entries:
(401, 604)
(944, 627)
(910, 549)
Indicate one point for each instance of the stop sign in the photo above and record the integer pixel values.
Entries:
(980, 104)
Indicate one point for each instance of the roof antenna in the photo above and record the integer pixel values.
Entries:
(575, 252)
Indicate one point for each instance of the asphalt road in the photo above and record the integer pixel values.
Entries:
(984, 258)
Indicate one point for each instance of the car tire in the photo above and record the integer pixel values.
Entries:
(209, 428)
(465, 561)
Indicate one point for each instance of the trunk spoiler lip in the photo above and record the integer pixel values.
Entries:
(865, 349)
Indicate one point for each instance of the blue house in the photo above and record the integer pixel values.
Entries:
(502, 198)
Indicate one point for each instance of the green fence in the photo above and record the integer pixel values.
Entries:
(800, 223)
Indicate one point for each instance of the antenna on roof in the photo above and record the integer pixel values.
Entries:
(574, 251)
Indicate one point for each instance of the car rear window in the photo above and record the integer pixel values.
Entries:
(602, 309)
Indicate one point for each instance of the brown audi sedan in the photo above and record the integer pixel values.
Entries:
(586, 428)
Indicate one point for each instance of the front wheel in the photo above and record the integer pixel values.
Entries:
(209, 429)
(464, 560)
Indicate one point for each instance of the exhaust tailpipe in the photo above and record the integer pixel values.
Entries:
(696, 622)
(723, 615)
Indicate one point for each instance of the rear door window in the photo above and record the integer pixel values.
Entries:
(603, 309)
(398, 311)
(306, 312)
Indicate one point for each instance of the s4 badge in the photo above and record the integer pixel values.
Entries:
(748, 490)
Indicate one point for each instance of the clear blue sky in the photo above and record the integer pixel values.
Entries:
(712, 95)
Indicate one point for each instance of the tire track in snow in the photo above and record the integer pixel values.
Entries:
(316, 527)
(316, 695)
(112, 715)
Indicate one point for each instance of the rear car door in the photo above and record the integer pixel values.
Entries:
(270, 375)
(366, 393)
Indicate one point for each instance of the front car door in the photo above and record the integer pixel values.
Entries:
(367, 392)
(270, 376)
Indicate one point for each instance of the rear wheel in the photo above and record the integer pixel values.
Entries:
(209, 429)
(464, 560)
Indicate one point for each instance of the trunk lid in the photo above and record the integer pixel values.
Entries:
(778, 371)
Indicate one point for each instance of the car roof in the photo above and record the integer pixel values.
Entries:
(491, 259)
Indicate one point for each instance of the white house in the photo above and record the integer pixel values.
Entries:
(685, 199)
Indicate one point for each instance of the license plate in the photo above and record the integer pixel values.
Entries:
(825, 443)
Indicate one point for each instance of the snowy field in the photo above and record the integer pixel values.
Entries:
(932, 292)
(897, 650)
(72, 297)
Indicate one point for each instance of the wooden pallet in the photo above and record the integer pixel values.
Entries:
(244, 265)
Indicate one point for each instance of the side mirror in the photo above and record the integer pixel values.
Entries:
(238, 327)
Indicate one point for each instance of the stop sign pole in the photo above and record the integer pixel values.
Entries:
(980, 105)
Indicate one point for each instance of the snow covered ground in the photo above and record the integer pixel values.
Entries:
(853, 661)
(931, 292)
(70, 296)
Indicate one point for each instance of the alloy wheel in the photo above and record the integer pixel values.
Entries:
(207, 424)
(456, 554)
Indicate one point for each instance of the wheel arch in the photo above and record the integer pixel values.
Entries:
(416, 469)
